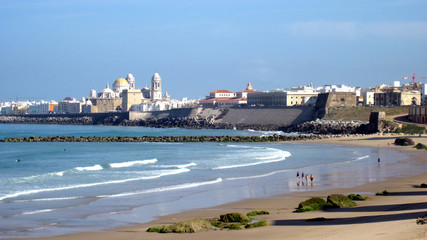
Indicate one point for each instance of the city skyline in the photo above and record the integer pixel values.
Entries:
(56, 49)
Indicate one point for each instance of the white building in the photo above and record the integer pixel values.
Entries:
(369, 98)
(337, 88)
(423, 93)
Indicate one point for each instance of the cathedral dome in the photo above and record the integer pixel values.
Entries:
(121, 81)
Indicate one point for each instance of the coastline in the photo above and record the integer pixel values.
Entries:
(379, 217)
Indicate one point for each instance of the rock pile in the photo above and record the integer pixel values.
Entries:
(272, 138)
(197, 123)
(47, 120)
(329, 127)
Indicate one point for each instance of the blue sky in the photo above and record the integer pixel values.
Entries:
(54, 49)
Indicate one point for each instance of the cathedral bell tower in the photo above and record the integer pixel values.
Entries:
(156, 87)
(131, 80)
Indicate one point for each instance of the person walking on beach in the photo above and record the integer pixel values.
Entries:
(297, 175)
(306, 177)
(311, 177)
(302, 175)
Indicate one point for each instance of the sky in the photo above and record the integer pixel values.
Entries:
(52, 49)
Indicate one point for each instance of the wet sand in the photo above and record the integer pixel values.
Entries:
(380, 217)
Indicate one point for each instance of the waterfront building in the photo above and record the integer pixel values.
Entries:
(226, 98)
(369, 98)
(63, 105)
(395, 97)
(337, 88)
(69, 105)
(99, 105)
(424, 94)
(7, 110)
(131, 97)
(418, 114)
(303, 95)
(42, 108)
(220, 93)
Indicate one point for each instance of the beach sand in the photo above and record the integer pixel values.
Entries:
(380, 217)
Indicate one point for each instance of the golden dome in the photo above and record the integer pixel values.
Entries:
(121, 81)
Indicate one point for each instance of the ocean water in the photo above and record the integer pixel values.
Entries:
(59, 188)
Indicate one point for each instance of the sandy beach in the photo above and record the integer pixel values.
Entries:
(380, 217)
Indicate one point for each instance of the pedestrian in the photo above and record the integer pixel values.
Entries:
(311, 177)
(297, 175)
(302, 175)
(306, 177)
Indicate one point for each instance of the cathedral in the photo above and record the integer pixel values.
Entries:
(128, 83)
(113, 99)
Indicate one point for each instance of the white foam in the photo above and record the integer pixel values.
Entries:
(38, 211)
(170, 172)
(91, 168)
(47, 199)
(132, 163)
(59, 174)
(282, 157)
(164, 189)
(258, 176)
(360, 158)
(192, 164)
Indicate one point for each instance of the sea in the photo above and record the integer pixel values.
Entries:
(53, 188)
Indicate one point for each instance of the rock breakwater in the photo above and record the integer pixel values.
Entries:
(197, 123)
(84, 120)
(182, 122)
(331, 127)
(272, 138)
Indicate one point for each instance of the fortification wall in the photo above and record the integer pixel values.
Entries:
(173, 113)
(276, 116)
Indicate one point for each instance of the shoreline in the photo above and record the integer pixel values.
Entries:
(395, 224)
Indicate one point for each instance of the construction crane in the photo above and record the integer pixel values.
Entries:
(415, 77)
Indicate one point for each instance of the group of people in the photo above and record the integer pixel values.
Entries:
(305, 177)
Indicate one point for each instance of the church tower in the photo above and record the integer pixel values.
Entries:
(131, 80)
(156, 87)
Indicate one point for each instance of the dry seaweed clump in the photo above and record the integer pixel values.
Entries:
(312, 204)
